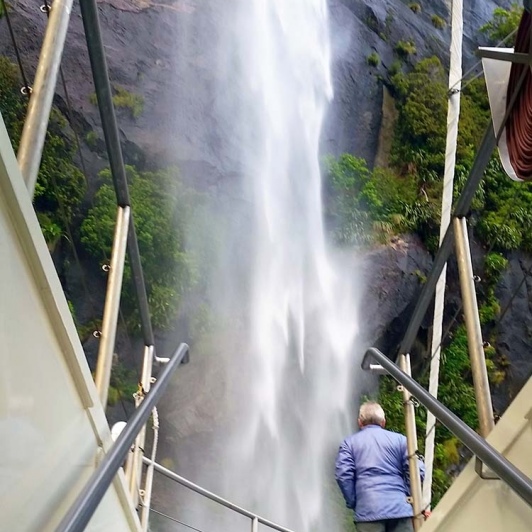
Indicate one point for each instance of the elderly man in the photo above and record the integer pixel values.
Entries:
(372, 472)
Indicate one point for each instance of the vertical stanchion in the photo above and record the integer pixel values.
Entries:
(255, 525)
(148, 486)
(134, 464)
(112, 305)
(474, 332)
(411, 438)
(36, 123)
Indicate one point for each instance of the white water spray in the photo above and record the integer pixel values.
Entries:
(292, 372)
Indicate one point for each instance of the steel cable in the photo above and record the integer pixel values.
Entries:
(27, 88)
(175, 520)
(477, 64)
(70, 117)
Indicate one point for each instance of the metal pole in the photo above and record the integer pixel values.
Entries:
(81, 511)
(411, 439)
(134, 470)
(112, 305)
(255, 525)
(213, 497)
(474, 332)
(91, 24)
(36, 123)
(462, 207)
(148, 487)
(453, 115)
(506, 471)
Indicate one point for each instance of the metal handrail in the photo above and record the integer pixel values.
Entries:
(255, 519)
(507, 472)
(81, 511)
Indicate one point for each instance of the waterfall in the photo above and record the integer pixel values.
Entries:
(288, 302)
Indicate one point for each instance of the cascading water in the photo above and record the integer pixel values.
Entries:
(302, 321)
(292, 302)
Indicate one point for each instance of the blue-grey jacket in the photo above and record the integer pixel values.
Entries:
(372, 472)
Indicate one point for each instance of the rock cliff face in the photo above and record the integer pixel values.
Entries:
(515, 330)
(169, 53)
(360, 27)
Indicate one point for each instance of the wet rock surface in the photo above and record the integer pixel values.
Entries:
(362, 27)
(514, 335)
(184, 120)
(393, 277)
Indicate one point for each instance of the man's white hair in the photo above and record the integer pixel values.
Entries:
(371, 413)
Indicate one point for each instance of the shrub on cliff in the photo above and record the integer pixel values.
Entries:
(161, 206)
(503, 24)
(60, 185)
(364, 207)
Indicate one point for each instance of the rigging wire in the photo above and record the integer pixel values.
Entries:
(507, 216)
(477, 64)
(460, 306)
(175, 520)
(26, 90)
(62, 209)
(453, 87)
(70, 117)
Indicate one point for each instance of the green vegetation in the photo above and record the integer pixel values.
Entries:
(162, 206)
(494, 265)
(128, 100)
(503, 24)
(365, 207)
(123, 99)
(60, 186)
(437, 22)
(405, 49)
(123, 384)
(373, 59)
(91, 138)
(395, 68)
(415, 7)
(163, 209)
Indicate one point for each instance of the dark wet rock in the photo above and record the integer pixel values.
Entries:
(393, 276)
(514, 336)
(183, 119)
(361, 27)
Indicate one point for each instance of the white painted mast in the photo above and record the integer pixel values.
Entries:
(453, 114)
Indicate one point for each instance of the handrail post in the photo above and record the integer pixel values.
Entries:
(148, 486)
(112, 305)
(474, 332)
(81, 511)
(134, 466)
(411, 439)
(36, 123)
(255, 525)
